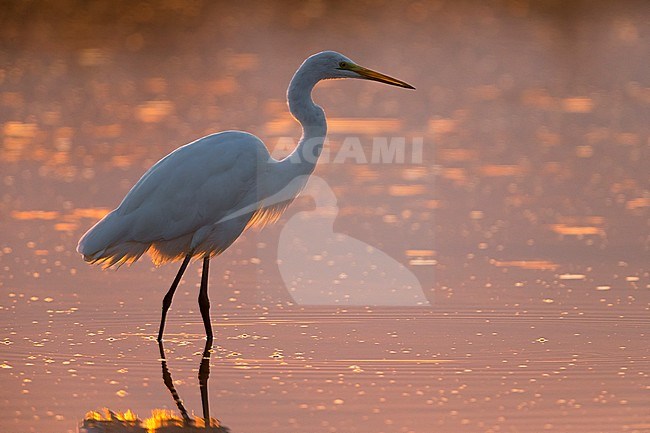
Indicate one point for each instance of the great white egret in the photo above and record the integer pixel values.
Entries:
(198, 199)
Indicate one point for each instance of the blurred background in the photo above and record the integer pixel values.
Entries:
(526, 221)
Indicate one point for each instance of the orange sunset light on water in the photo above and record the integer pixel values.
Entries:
(510, 190)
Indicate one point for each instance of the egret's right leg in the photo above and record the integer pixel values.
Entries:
(204, 369)
(167, 300)
(204, 301)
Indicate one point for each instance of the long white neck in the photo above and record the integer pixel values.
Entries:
(286, 178)
(311, 117)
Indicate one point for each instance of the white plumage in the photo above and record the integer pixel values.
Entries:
(176, 206)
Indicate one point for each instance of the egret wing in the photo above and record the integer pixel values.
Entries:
(183, 195)
(194, 186)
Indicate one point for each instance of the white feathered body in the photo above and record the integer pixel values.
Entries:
(197, 199)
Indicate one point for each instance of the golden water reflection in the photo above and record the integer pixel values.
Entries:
(63, 222)
(159, 421)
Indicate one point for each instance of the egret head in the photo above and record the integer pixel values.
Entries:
(332, 65)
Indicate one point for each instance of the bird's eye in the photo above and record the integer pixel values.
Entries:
(342, 64)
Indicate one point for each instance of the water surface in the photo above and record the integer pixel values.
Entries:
(525, 221)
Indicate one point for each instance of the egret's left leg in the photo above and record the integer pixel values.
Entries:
(167, 300)
(204, 301)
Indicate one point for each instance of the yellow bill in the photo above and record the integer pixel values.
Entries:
(369, 74)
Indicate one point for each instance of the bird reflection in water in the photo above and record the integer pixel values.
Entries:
(161, 420)
(204, 374)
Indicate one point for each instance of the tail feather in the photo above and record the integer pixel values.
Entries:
(105, 243)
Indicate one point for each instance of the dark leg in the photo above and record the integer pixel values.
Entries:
(167, 300)
(204, 302)
(204, 369)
